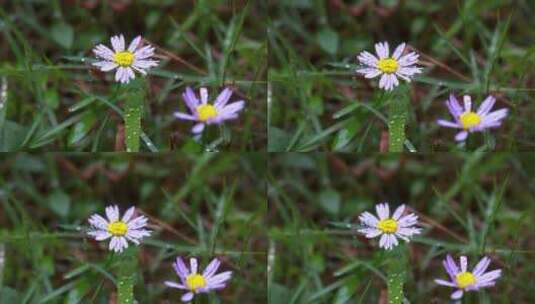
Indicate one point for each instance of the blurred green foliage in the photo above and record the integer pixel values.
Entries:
(471, 47)
(57, 101)
(208, 205)
(468, 203)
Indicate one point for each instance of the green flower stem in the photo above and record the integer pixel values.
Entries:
(126, 276)
(132, 120)
(396, 274)
(132, 116)
(397, 120)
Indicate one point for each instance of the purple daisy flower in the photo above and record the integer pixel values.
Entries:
(196, 283)
(205, 113)
(465, 280)
(470, 121)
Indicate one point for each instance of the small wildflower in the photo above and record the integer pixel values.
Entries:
(125, 61)
(390, 68)
(196, 283)
(465, 280)
(119, 230)
(205, 113)
(470, 121)
(389, 228)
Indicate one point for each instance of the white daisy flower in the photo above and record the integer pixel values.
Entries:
(390, 68)
(389, 228)
(119, 230)
(125, 61)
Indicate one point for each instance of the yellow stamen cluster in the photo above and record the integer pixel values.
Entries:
(118, 228)
(470, 119)
(388, 65)
(124, 59)
(388, 226)
(465, 279)
(195, 281)
(206, 111)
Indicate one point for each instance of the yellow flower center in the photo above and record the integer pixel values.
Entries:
(388, 226)
(465, 279)
(469, 120)
(118, 228)
(124, 59)
(206, 111)
(388, 65)
(195, 281)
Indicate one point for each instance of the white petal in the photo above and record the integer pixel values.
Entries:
(367, 59)
(103, 52)
(399, 212)
(383, 82)
(383, 240)
(383, 211)
(368, 219)
(128, 214)
(382, 50)
(134, 44)
(399, 50)
(112, 212)
(370, 232)
(98, 222)
(117, 43)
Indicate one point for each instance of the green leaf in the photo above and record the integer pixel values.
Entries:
(330, 201)
(52, 98)
(63, 34)
(82, 127)
(328, 40)
(60, 203)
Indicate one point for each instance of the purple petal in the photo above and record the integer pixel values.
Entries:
(187, 297)
(448, 124)
(486, 106)
(198, 128)
(461, 136)
(184, 116)
(453, 106)
(457, 294)
(223, 98)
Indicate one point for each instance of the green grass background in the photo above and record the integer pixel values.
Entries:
(56, 101)
(468, 203)
(476, 47)
(210, 205)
